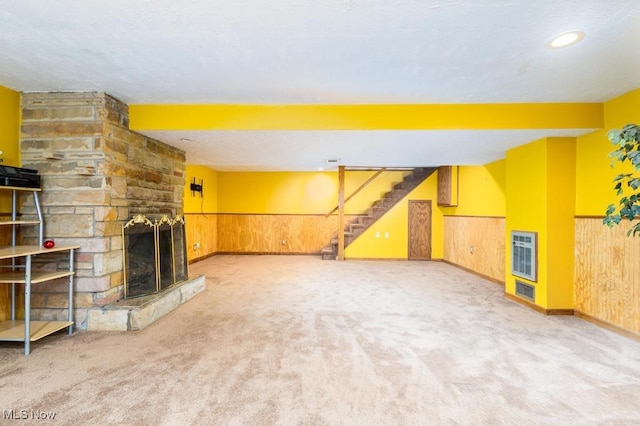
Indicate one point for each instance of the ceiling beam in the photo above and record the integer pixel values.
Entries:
(367, 117)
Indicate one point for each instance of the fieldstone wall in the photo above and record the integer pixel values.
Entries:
(96, 174)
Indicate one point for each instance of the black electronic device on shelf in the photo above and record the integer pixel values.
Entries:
(16, 176)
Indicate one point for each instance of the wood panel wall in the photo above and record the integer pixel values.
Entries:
(486, 235)
(607, 273)
(265, 233)
(201, 229)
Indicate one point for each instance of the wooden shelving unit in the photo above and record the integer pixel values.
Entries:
(19, 272)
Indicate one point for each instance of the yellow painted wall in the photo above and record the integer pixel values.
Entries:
(373, 191)
(474, 230)
(9, 135)
(395, 222)
(276, 192)
(594, 175)
(208, 203)
(541, 199)
(200, 212)
(297, 192)
(606, 272)
(481, 191)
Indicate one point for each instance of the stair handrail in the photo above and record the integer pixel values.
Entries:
(360, 188)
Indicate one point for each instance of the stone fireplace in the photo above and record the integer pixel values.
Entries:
(96, 175)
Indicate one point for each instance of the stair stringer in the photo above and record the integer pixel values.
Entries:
(379, 208)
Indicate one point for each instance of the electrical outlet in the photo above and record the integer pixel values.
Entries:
(377, 234)
(386, 235)
(196, 246)
(284, 242)
(471, 248)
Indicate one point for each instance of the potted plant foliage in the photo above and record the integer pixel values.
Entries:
(627, 185)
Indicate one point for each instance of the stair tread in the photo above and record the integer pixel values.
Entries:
(346, 234)
(334, 240)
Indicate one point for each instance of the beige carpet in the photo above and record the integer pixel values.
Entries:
(296, 340)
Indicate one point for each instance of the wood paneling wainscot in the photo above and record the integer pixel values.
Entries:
(477, 244)
(607, 273)
(266, 233)
(202, 235)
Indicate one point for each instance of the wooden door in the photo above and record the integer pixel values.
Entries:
(419, 230)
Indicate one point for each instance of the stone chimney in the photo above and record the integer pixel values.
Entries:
(96, 174)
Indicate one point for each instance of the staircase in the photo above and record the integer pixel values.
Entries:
(379, 208)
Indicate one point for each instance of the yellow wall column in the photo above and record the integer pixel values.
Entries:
(561, 195)
(540, 198)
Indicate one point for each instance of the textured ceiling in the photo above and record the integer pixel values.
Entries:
(310, 150)
(328, 52)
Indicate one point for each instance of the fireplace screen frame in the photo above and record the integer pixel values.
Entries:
(168, 269)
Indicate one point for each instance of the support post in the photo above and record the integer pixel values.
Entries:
(70, 290)
(27, 305)
(340, 212)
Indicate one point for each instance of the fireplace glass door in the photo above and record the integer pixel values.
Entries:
(154, 254)
(140, 258)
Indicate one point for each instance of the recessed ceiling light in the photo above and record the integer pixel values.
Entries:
(565, 39)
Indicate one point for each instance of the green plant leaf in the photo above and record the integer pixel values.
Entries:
(614, 136)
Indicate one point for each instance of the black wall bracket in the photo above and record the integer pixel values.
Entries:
(195, 187)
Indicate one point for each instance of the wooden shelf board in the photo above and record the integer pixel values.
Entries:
(36, 277)
(9, 252)
(20, 188)
(19, 222)
(14, 330)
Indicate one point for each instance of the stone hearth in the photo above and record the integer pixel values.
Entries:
(96, 174)
(137, 313)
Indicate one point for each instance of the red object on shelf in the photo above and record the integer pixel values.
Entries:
(48, 244)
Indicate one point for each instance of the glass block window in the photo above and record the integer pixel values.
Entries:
(523, 254)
